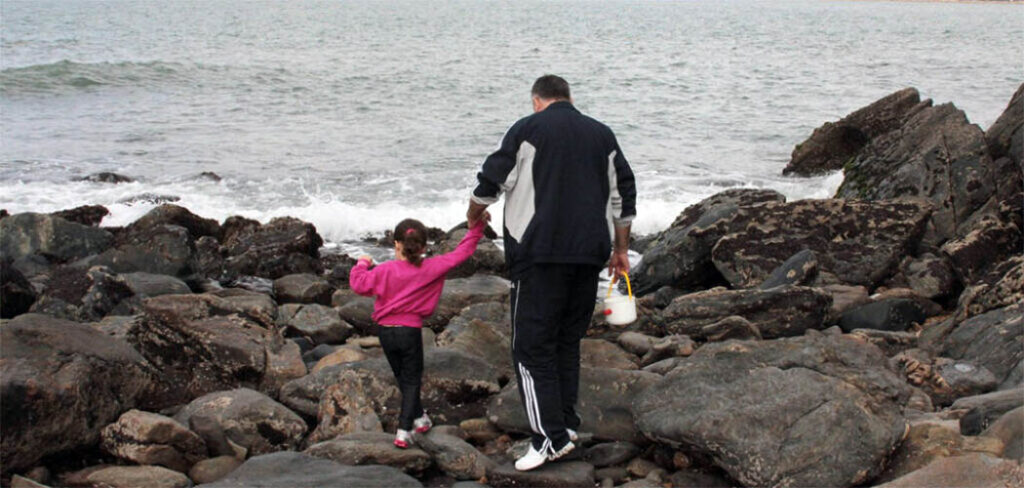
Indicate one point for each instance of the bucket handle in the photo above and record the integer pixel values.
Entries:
(629, 286)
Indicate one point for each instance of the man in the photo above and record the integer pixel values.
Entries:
(569, 193)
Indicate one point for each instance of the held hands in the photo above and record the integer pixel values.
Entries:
(619, 263)
(367, 258)
(472, 221)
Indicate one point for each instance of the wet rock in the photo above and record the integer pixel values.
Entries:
(371, 448)
(281, 247)
(340, 355)
(799, 269)
(778, 312)
(734, 327)
(210, 260)
(249, 419)
(983, 410)
(599, 353)
(297, 469)
(894, 315)
(462, 292)
(976, 470)
(937, 155)
(1005, 136)
(16, 293)
(781, 394)
(204, 343)
(604, 402)
(106, 177)
(664, 296)
(159, 249)
(320, 324)
(610, 453)
(564, 474)
(152, 285)
(859, 242)
(60, 383)
(135, 476)
(210, 470)
(148, 199)
(1010, 430)
(350, 406)
(930, 276)
(927, 442)
(994, 340)
(990, 241)
(148, 438)
(456, 457)
(57, 239)
(681, 255)
(175, 215)
(209, 176)
(337, 267)
(834, 144)
(359, 313)
(90, 215)
(1001, 287)
(454, 387)
(302, 288)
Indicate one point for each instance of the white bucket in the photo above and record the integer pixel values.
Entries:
(620, 310)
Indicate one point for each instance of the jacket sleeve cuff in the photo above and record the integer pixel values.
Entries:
(623, 221)
(483, 200)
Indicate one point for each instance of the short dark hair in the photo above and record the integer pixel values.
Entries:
(551, 87)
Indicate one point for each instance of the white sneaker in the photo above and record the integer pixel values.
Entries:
(531, 460)
(422, 424)
(562, 452)
(573, 435)
(403, 439)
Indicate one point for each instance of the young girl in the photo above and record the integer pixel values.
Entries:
(407, 290)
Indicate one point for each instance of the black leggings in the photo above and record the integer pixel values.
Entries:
(403, 347)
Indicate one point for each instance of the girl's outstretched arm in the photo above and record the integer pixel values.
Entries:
(464, 250)
(362, 279)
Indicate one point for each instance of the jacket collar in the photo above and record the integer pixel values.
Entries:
(560, 105)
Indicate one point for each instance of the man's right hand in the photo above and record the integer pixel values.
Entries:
(619, 263)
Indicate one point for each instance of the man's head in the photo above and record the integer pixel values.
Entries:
(549, 89)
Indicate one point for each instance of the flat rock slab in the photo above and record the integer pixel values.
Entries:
(456, 457)
(777, 312)
(994, 340)
(249, 419)
(135, 476)
(974, 470)
(759, 410)
(551, 475)
(152, 439)
(371, 448)
(302, 470)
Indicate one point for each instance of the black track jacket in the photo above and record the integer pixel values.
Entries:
(567, 186)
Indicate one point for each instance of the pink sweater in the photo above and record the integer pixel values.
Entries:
(406, 293)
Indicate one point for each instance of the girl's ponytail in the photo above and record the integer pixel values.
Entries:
(413, 236)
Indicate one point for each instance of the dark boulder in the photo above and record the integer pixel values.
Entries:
(1010, 430)
(836, 143)
(894, 315)
(322, 325)
(106, 177)
(456, 457)
(487, 258)
(994, 340)
(1005, 136)
(782, 396)
(204, 343)
(611, 453)
(281, 247)
(302, 288)
(1000, 287)
(16, 293)
(983, 410)
(90, 215)
(60, 383)
(777, 312)
(371, 448)
(861, 243)
(681, 255)
(800, 269)
(930, 276)
(460, 293)
(566, 474)
(175, 215)
(297, 469)
(153, 285)
(604, 402)
(57, 239)
(248, 418)
(148, 438)
(160, 249)
(455, 386)
(990, 241)
(937, 155)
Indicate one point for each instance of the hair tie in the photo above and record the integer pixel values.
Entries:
(410, 231)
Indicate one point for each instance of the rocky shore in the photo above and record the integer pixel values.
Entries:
(871, 339)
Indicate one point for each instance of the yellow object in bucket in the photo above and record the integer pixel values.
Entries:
(620, 310)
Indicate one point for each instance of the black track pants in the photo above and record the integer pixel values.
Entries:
(403, 347)
(552, 305)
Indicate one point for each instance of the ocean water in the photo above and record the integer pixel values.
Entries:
(355, 114)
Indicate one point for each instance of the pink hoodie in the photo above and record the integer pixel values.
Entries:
(406, 293)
